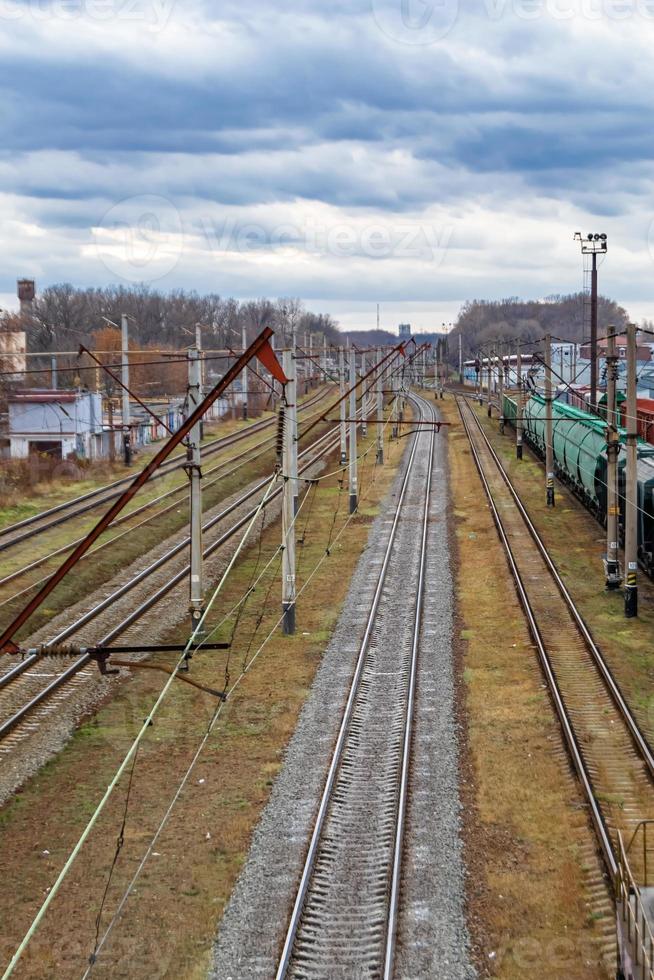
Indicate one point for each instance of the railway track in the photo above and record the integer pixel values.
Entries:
(134, 520)
(33, 688)
(611, 756)
(21, 531)
(344, 920)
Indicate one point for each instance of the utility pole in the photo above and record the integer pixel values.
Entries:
(194, 470)
(53, 372)
(593, 244)
(112, 434)
(593, 334)
(612, 564)
(488, 387)
(353, 432)
(324, 359)
(124, 371)
(501, 388)
(631, 489)
(198, 347)
(288, 519)
(549, 449)
(291, 416)
(244, 376)
(343, 407)
(460, 359)
(519, 405)
(364, 399)
(380, 412)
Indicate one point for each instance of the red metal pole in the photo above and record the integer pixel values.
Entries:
(6, 644)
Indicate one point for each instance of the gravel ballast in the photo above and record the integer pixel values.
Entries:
(432, 939)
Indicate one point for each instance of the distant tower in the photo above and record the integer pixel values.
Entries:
(26, 294)
(405, 331)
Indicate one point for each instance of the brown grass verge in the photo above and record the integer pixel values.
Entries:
(577, 542)
(525, 835)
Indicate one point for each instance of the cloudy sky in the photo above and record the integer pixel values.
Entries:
(414, 153)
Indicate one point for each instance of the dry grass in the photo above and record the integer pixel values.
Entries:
(576, 543)
(170, 921)
(524, 830)
(31, 485)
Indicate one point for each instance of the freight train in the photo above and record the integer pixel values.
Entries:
(580, 461)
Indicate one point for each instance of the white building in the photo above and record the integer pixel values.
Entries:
(55, 422)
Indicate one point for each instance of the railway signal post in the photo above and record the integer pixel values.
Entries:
(194, 470)
(353, 433)
(288, 515)
(549, 449)
(612, 565)
(631, 491)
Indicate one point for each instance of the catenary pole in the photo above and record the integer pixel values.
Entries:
(353, 433)
(288, 517)
(380, 411)
(500, 392)
(343, 406)
(124, 371)
(631, 487)
(549, 401)
(194, 470)
(291, 415)
(593, 334)
(364, 400)
(489, 378)
(612, 566)
(244, 377)
(519, 404)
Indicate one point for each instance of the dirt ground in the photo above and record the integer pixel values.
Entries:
(170, 918)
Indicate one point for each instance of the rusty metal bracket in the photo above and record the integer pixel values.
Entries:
(168, 670)
(259, 348)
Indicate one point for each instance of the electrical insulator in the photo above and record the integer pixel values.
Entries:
(279, 445)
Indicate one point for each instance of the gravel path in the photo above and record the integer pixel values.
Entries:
(433, 939)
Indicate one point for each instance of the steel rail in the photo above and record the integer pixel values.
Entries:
(10, 723)
(558, 700)
(258, 449)
(112, 490)
(309, 864)
(391, 928)
(640, 741)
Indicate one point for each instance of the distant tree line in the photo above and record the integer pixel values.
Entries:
(484, 322)
(63, 317)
